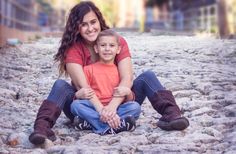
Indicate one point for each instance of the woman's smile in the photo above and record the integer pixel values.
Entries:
(90, 27)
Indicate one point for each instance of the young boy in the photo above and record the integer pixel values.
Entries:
(103, 77)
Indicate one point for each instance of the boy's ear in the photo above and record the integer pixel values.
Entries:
(119, 49)
(95, 48)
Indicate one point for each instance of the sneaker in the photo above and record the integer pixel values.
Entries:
(81, 124)
(127, 124)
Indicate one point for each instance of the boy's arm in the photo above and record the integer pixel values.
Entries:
(88, 71)
(126, 76)
(96, 103)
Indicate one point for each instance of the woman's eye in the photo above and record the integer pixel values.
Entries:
(83, 24)
(93, 22)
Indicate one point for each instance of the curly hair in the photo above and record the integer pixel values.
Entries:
(71, 35)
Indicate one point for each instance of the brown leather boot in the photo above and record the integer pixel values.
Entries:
(164, 103)
(46, 118)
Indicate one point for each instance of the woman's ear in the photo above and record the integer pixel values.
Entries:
(95, 48)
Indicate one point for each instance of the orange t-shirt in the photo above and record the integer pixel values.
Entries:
(102, 78)
(80, 54)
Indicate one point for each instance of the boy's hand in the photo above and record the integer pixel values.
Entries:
(114, 122)
(85, 93)
(105, 114)
(121, 91)
(109, 116)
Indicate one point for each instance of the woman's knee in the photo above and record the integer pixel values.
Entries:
(60, 84)
(148, 74)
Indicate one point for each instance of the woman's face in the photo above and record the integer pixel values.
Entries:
(90, 27)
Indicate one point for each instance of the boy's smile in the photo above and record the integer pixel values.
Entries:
(107, 48)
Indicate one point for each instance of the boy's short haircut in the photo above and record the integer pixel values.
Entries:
(108, 32)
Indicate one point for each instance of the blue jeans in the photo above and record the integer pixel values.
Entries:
(62, 93)
(85, 110)
(146, 85)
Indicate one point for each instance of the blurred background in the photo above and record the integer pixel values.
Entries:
(26, 20)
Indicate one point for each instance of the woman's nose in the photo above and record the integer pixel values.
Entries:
(90, 27)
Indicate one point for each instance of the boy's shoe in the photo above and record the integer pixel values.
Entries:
(81, 124)
(127, 124)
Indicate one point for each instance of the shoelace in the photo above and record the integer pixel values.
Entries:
(112, 131)
(81, 125)
(86, 124)
(123, 124)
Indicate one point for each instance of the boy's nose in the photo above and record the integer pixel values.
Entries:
(107, 47)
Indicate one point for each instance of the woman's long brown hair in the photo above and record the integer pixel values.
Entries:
(71, 35)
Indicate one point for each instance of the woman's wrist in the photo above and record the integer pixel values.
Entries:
(130, 97)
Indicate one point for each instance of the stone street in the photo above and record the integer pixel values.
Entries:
(201, 72)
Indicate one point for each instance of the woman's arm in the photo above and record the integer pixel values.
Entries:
(126, 72)
(79, 80)
(77, 75)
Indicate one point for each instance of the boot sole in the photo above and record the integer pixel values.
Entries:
(37, 139)
(177, 124)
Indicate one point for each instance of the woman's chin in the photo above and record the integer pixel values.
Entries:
(91, 40)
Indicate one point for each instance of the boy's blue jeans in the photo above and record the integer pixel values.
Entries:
(145, 85)
(85, 110)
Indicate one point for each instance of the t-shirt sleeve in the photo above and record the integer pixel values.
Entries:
(88, 73)
(124, 52)
(74, 55)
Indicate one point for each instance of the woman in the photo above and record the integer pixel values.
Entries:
(76, 50)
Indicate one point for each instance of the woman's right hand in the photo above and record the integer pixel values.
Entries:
(84, 93)
(121, 91)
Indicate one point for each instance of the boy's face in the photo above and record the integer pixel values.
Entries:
(107, 47)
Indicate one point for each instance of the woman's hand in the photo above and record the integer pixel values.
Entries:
(121, 91)
(85, 93)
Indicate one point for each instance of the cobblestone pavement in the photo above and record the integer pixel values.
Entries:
(200, 71)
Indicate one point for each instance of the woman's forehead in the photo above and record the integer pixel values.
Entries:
(89, 16)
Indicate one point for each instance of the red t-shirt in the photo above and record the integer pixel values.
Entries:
(102, 78)
(80, 54)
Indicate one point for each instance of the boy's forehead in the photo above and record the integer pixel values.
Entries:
(105, 36)
(108, 38)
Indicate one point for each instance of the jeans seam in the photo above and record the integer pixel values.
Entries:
(146, 84)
